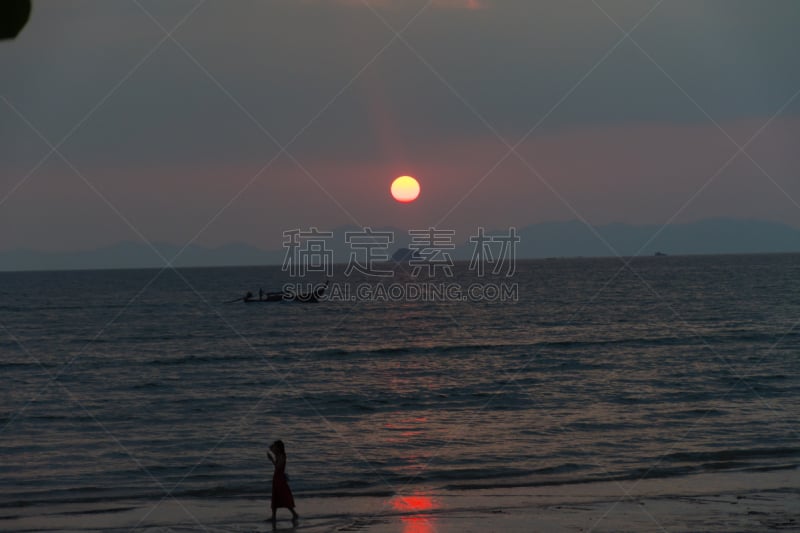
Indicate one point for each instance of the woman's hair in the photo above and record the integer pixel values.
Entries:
(278, 445)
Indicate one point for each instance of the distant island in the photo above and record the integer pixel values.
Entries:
(544, 240)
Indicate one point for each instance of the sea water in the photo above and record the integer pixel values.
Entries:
(130, 385)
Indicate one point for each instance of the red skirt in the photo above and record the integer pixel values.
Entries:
(281, 493)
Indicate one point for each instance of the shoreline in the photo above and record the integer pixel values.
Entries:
(730, 501)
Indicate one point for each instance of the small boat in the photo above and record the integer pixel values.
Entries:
(287, 296)
(267, 297)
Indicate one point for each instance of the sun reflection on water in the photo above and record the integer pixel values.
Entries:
(415, 509)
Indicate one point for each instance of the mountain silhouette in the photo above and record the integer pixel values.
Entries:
(544, 240)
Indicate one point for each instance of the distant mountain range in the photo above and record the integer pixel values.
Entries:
(549, 239)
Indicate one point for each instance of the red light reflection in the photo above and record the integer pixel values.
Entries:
(405, 429)
(417, 524)
(416, 503)
(412, 503)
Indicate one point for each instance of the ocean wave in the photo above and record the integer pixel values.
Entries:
(633, 475)
(10, 365)
(689, 340)
(733, 454)
(201, 359)
(381, 485)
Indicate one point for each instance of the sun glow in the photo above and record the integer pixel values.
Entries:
(415, 509)
(405, 189)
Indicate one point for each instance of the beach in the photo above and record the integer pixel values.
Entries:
(733, 501)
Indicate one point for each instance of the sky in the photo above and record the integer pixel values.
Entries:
(216, 122)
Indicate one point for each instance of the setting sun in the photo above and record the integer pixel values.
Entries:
(405, 189)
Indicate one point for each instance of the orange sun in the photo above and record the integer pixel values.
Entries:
(405, 189)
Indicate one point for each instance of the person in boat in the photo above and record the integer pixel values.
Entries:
(260, 294)
(281, 493)
(248, 297)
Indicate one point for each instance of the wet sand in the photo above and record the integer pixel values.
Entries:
(734, 501)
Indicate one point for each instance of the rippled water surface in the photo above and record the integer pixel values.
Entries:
(119, 384)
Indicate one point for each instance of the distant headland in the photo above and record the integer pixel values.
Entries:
(543, 240)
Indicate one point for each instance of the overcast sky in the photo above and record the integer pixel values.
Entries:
(173, 140)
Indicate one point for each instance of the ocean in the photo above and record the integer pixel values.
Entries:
(137, 384)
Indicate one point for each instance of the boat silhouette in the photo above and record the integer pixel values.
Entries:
(312, 296)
